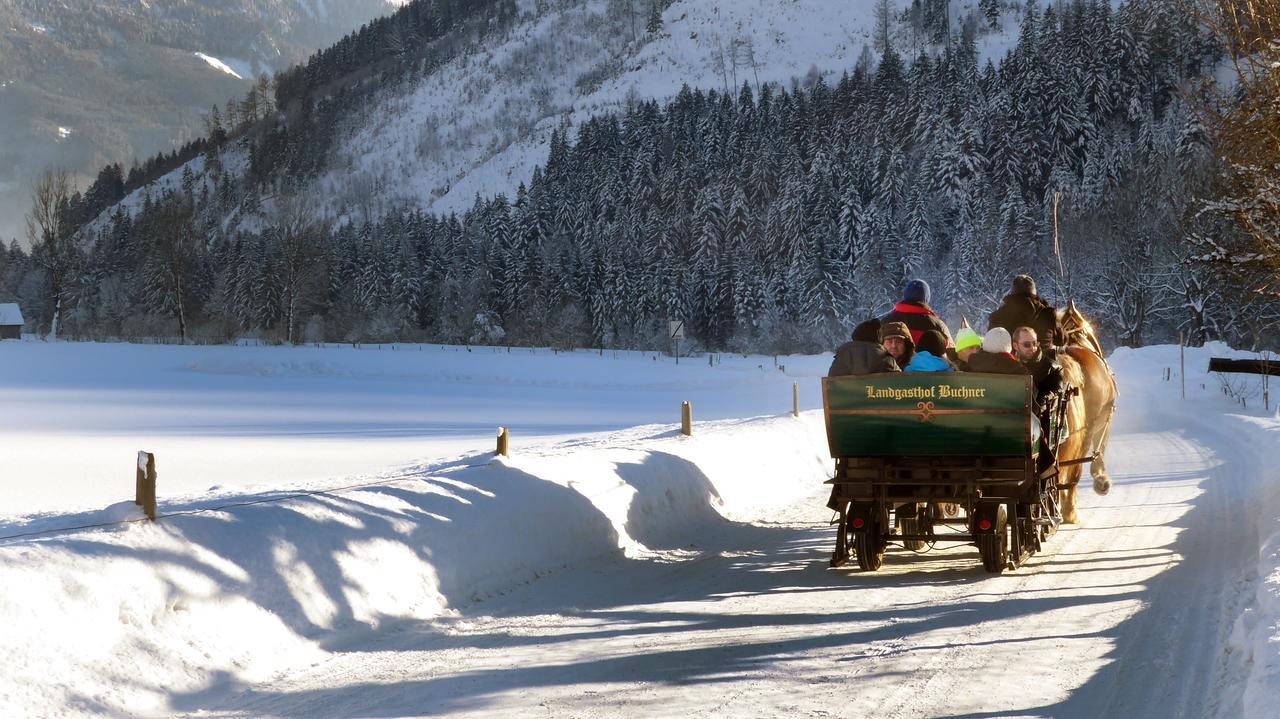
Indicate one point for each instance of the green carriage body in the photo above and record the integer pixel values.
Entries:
(944, 414)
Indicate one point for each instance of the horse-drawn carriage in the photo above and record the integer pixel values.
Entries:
(969, 453)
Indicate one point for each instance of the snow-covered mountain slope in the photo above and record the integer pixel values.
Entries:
(84, 83)
(481, 123)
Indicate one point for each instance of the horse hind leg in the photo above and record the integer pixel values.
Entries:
(1098, 468)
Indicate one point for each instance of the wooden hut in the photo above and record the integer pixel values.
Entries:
(10, 321)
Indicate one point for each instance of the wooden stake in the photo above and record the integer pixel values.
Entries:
(795, 399)
(504, 440)
(145, 484)
(1182, 357)
(686, 419)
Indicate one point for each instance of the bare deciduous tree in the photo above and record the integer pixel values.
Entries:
(174, 250)
(1248, 127)
(50, 234)
(299, 234)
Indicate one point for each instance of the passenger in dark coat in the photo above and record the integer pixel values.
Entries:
(914, 312)
(863, 355)
(996, 355)
(1024, 308)
(897, 341)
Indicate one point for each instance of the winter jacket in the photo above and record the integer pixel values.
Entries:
(859, 357)
(1044, 365)
(1045, 372)
(919, 319)
(1028, 311)
(1001, 363)
(925, 361)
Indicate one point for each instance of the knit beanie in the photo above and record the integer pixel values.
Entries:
(997, 341)
(868, 331)
(967, 338)
(916, 291)
(933, 342)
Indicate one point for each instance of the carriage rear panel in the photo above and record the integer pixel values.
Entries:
(946, 414)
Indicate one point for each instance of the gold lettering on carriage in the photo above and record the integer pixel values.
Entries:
(938, 391)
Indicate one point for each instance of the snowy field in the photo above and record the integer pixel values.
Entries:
(226, 417)
(598, 571)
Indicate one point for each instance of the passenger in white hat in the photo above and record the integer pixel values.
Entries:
(996, 354)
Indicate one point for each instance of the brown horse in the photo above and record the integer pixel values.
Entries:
(1083, 366)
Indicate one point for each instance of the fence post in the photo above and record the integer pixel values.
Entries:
(145, 485)
(686, 418)
(504, 442)
(1182, 357)
(795, 399)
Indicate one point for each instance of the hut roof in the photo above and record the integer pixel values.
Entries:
(10, 314)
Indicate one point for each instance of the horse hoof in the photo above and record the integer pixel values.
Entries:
(1071, 519)
(1101, 486)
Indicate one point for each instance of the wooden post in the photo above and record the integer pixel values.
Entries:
(1266, 384)
(145, 485)
(710, 359)
(686, 418)
(795, 399)
(504, 442)
(1182, 357)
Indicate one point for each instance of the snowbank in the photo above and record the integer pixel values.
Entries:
(118, 620)
(1257, 631)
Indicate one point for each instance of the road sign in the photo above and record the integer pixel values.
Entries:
(675, 328)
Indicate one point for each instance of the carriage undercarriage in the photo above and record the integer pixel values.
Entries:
(908, 502)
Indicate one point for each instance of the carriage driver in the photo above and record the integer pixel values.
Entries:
(1024, 308)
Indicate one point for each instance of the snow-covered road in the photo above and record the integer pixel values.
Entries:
(1126, 615)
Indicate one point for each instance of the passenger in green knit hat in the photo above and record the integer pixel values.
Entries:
(967, 342)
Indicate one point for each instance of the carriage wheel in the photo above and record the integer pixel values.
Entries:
(994, 547)
(869, 545)
(908, 516)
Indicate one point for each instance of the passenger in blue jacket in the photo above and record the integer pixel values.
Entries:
(931, 354)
